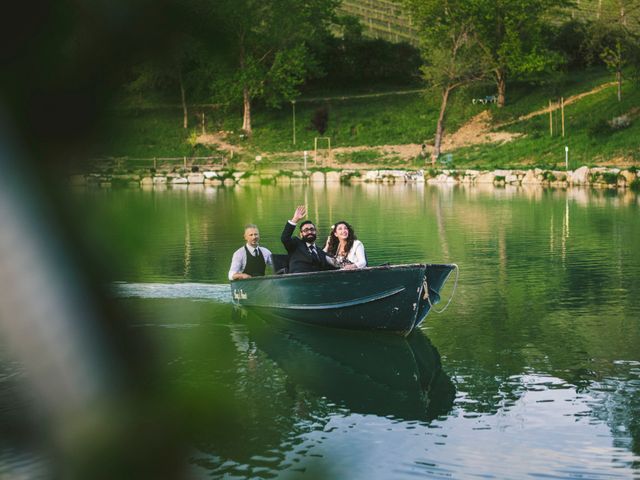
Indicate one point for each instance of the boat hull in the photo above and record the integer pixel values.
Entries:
(389, 298)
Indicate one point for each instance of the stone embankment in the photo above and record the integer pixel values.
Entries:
(596, 177)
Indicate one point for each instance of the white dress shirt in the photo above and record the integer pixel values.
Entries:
(239, 260)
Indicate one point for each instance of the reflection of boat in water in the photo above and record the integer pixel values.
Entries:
(368, 373)
(395, 298)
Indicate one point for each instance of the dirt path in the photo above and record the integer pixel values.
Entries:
(476, 131)
(218, 139)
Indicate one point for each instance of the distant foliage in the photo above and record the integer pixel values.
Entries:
(571, 41)
(355, 60)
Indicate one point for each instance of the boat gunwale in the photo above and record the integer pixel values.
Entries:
(345, 271)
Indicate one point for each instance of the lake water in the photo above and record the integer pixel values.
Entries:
(532, 371)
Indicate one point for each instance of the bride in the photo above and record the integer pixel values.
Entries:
(343, 245)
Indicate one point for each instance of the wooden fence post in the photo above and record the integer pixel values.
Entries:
(562, 111)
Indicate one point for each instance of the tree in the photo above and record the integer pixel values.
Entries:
(350, 28)
(179, 68)
(185, 64)
(615, 38)
(614, 58)
(514, 35)
(450, 51)
(270, 49)
(350, 59)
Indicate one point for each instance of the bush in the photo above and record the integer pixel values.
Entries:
(569, 39)
(604, 177)
(224, 174)
(604, 128)
(599, 129)
(346, 178)
(356, 60)
(549, 176)
(320, 120)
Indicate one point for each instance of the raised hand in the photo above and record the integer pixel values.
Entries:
(299, 214)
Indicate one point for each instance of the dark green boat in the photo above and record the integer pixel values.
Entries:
(393, 298)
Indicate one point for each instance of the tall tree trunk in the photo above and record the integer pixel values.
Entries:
(618, 58)
(246, 97)
(440, 126)
(246, 114)
(185, 113)
(501, 83)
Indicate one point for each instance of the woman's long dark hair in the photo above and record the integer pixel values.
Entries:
(334, 242)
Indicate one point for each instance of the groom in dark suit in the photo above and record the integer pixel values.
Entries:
(304, 255)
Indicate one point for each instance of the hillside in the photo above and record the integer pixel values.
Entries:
(390, 128)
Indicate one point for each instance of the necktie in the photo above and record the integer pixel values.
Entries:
(313, 253)
(256, 253)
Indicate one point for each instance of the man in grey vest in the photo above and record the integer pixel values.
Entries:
(250, 260)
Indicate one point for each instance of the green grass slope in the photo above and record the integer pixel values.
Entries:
(598, 128)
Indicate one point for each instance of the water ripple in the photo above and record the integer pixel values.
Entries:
(203, 291)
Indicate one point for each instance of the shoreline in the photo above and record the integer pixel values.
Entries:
(596, 177)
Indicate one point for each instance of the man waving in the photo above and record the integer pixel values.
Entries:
(304, 256)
